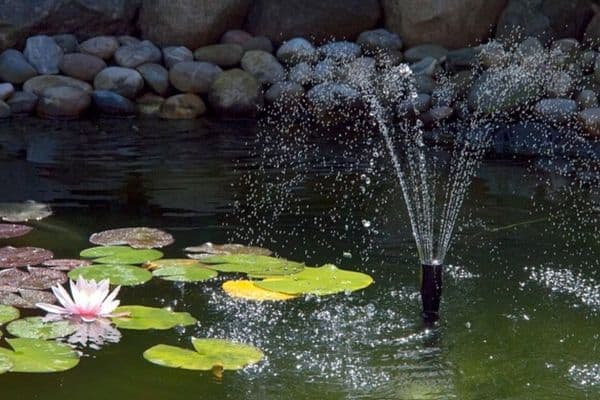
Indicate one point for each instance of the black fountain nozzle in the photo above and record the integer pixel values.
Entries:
(431, 292)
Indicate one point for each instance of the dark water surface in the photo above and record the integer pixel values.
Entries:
(504, 334)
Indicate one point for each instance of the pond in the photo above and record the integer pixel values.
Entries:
(520, 312)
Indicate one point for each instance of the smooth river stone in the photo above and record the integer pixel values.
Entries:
(182, 106)
(155, 76)
(194, 77)
(149, 105)
(235, 36)
(284, 92)
(176, 54)
(259, 43)
(297, 50)
(67, 42)
(81, 66)
(379, 39)
(100, 46)
(6, 90)
(22, 103)
(124, 81)
(43, 53)
(38, 84)
(111, 103)
(236, 93)
(263, 66)
(134, 55)
(14, 68)
(223, 55)
(63, 102)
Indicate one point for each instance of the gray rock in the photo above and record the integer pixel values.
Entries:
(499, 92)
(334, 103)
(81, 66)
(418, 53)
(522, 19)
(235, 36)
(529, 48)
(326, 71)
(590, 119)
(6, 90)
(176, 54)
(567, 46)
(223, 55)
(587, 99)
(342, 51)
(587, 60)
(149, 105)
(63, 102)
(389, 58)
(301, 73)
(22, 103)
(411, 107)
(263, 66)
(126, 40)
(125, 81)
(14, 68)
(379, 39)
(100, 46)
(43, 53)
(193, 77)
(111, 103)
(182, 106)
(426, 66)
(38, 84)
(460, 59)
(492, 54)
(155, 76)
(560, 85)
(436, 115)
(4, 110)
(236, 93)
(134, 55)
(259, 43)
(284, 92)
(67, 42)
(297, 50)
(424, 84)
(556, 110)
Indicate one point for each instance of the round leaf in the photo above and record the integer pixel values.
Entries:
(5, 363)
(124, 275)
(34, 355)
(7, 314)
(34, 278)
(37, 328)
(120, 255)
(66, 264)
(209, 353)
(253, 264)
(324, 280)
(181, 270)
(22, 212)
(12, 230)
(139, 238)
(209, 248)
(25, 298)
(248, 290)
(141, 318)
(12, 257)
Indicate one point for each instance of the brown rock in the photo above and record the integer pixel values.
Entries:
(63, 102)
(81, 66)
(182, 106)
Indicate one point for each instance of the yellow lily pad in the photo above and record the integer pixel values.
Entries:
(245, 289)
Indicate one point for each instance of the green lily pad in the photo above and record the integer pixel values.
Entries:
(35, 355)
(37, 328)
(210, 353)
(120, 255)
(5, 363)
(142, 318)
(251, 264)
(181, 270)
(138, 237)
(324, 280)
(208, 248)
(124, 275)
(8, 313)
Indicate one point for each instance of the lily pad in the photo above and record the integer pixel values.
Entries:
(25, 298)
(13, 230)
(38, 328)
(124, 275)
(324, 280)
(34, 278)
(181, 270)
(34, 355)
(210, 353)
(7, 314)
(142, 318)
(5, 363)
(23, 212)
(253, 265)
(244, 289)
(209, 248)
(138, 238)
(120, 255)
(65, 264)
(12, 257)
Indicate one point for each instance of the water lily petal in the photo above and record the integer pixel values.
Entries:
(51, 308)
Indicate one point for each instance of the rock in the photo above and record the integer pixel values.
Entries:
(389, 58)
(566, 46)
(14, 68)
(67, 42)
(81, 66)
(418, 53)
(63, 102)
(235, 93)
(301, 74)
(124, 81)
(191, 23)
(38, 84)
(325, 71)
(43, 53)
(235, 36)
(149, 105)
(22, 103)
(568, 19)
(560, 85)
(126, 40)
(424, 84)
(155, 76)
(259, 43)
(461, 59)
(334, 103)
(113, 104)
(461, 82)
(493, 54)
(223, 55)
(499, 92)
(182, 106)
(101, 46)
(297, 50)
(263, 66)
(556, 110)
(6, 90)
(4, 110)
(587, 99)
(426, 66)
(193, 77)
(322, 20)
(176, 54)
(521, 19)
(411, 107)
(436, 115)
(378, 40)
(530, 48)
(452, 24)
(342, 51)
(587, 61)
(590, 119)
(135, 55)
(284, 92)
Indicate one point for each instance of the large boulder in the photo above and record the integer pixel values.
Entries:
(453, 24)
(43, 53)
(193, 77)
(63, 102)
(191, 23)
(236, 93)
(81, 66)
(84, 18)
(125, 81)
(14, 68)
(317, 19)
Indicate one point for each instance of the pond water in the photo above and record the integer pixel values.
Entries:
(521, 306)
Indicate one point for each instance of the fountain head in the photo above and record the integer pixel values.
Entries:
(431, 291)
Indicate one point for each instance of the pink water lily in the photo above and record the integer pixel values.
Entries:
(89, 301)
